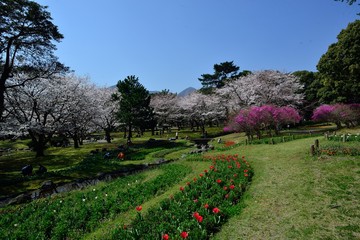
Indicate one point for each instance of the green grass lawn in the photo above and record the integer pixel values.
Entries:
(296, 196)
(292, 195)
(68, 164)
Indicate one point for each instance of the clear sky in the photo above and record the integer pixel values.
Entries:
(168, 44)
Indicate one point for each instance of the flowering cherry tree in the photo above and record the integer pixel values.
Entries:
(82, 109)
(200, 109)
(267, 87)
(165, 107)
(40, 108)
(105, 117)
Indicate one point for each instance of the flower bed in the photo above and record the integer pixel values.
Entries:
(200, 207)
(72, 215)
(340, 148)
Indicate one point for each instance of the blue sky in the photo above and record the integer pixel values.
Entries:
(168, 44)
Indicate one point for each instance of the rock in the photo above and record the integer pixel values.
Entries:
(22, 198)
(47, 185)
(27, 170)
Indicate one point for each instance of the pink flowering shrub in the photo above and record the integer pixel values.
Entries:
(348, 114)
(255, 119)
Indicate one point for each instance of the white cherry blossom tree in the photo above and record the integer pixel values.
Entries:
(40, 108)
(267, 87)
(105, 117)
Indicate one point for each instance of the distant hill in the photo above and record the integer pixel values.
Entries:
(186, 91)
(183, 93)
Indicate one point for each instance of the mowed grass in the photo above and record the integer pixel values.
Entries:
(296, 196)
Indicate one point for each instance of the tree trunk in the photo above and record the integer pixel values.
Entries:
(203, 132)
(125, 133)
(258, 134)
(2, 96)
(39, 143)
(129, 133)
(6, 70)
(107, 135)
(76, 141)
(39, 149)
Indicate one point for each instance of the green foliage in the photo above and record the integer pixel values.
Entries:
(225, 71)
(134, 104)
(26, 34)
(312, 84)
(339, 68)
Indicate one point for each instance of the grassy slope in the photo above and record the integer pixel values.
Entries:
(297, 196)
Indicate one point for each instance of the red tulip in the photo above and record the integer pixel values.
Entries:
(138, 208)
(121, 155)
(218, 181)
(184, 234)
(206, 206)
(181, 188)
(216, 210)
(232, 186)
(165, 236)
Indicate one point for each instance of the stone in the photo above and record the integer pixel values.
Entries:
(47, 185)
(27, 170)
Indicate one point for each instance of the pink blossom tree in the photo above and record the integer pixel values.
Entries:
(255, 119)
(338, 113)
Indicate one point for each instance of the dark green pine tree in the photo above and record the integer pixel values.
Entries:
(134, 105)
(223, 72)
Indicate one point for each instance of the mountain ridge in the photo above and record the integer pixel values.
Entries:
(183, 93)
